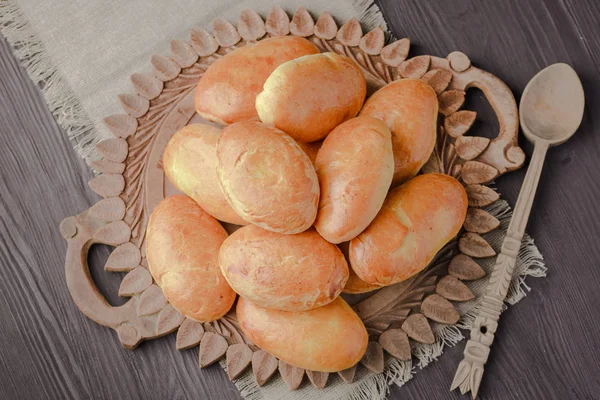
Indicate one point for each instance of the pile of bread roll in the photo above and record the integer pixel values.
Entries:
(309, 168)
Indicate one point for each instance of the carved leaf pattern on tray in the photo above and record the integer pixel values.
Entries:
(395, 342)
(264, 366)
(474, 172)
(239, 357)
(414, 68)
(451, 101)
(121, 125)
(469, 147)
(168, 320)
(350, 33)
(113, 149)
(135, 281)
(373, 358)
(458, 123)
(348, 374)
(189, 334)
(481, 196)
(292, 376)
(183, 54)
(395, 53)
(474, 245)
(302, 23)
(438, 79)
(452, 289)
(212, 347)
(278, 22)
(325, 28)
(438, 309)
(251, 26)
(151, 301)
(318, 379)
(107, 167)
(465, 268)
(107, 185)
(418, 329)
(110, 209)
(124, 258)
(480, 221)
(114, 233)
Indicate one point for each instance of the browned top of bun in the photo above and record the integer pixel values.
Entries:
(190, 163)
(267, 178)
(409, 107)
(417, 219)
(228, 89)
(182, 246)
(355, 166)
(309, 96)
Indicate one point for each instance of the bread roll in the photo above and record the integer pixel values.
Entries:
(190, 163)
(182, 243)
(416, 221)
(354, 285)
(227, 91)
(283, 272)
(309, 96)
(355, 166)
(327, 339)
(266, 177)
(409, 107)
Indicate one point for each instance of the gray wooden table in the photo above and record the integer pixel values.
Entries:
(547, 346)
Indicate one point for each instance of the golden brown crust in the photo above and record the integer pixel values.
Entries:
(266, 177)
(327, 339)
(182, 243)
(355, 285)
(309, 96)
(227, 91)
(283, 272)
(416, 221)
(355, 166)
(409, 107)
(190, 163)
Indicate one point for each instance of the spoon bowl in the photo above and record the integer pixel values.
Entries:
(552, 105)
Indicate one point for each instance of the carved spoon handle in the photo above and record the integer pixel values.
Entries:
(470, 370)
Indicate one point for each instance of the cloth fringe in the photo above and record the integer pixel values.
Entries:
(64, 106)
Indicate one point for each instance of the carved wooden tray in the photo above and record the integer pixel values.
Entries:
(132, 183)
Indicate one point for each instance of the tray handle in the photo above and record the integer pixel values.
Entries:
(81, 232)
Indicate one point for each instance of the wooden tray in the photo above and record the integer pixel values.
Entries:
(132, 183)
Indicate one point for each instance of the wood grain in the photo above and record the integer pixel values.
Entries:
(546, 346)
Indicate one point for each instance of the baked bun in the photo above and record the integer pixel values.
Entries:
(284, 272)
(355, 166)
(416, 221)
(266, 177)
(409, 107)
(354, 285)
(190, 163)
(328, 339)
(227, 90)
(182, 244)
(309, 96)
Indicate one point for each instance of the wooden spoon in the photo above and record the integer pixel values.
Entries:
(551, 110)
